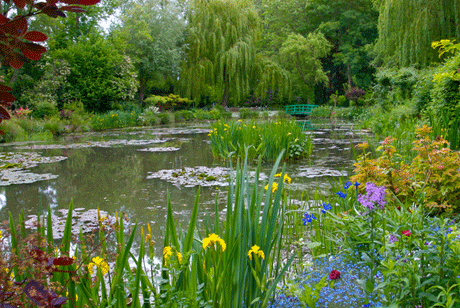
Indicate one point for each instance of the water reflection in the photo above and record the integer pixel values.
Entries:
(115, 178)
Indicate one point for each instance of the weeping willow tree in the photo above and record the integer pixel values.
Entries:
(222, 36)
(407, 28)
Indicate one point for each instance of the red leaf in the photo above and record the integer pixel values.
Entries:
(3, 19)
(4, 88)
(88, 2)
(34, 47)
(53, 11)
(6, 97)
(73, 8)
(52, 2)
(16, 63)
(20, 23)
(70, 1)
(35, 36)
(20, 3)
(4, 114)
(63, 261)
(32, 55)
(39, 5)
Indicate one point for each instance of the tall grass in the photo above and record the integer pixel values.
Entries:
(115, 119)
(265, 140)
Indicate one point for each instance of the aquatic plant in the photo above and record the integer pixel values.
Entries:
(265, 140)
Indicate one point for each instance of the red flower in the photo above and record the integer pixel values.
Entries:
(407, 233)
(334, 275)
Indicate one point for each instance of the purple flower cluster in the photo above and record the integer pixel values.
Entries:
(375, 195)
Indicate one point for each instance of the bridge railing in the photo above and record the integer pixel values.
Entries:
(300, 109)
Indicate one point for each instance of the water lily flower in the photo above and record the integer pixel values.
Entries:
(213, 239)
(255, 250)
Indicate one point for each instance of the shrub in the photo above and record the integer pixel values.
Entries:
(44, 109)
(246, 113)
(166, 118)
(184, 116)
(432, 178)
(321, 112)
(171, 102)
(12, 131)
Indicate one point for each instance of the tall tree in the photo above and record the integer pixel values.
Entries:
(154, 32)
(222, 36)
(302, 57)
(408, 27)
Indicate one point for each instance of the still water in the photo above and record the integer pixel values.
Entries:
(109, 170)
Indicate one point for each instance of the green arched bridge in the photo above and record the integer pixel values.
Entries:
(300, 110)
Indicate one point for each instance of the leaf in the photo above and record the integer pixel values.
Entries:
(15, 62)
(35, 36)
(31, 54)
(3, 19)
(4, 115)
(72, 8)
(20, 3)
(6, 97)
(88, 2)
(63, 261)
(4, 88)
(53, 11)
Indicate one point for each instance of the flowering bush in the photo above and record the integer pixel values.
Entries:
(432, 178)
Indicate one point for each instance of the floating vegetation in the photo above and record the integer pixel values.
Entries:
(92, 144)
(85, 221)
(12, 167)
(315, 172)
(160, 149)
(198, 176)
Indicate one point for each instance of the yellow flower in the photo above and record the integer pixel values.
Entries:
(274, 187)
(212, 239)
(76, 296)
(1, 234)
(286, 177)
(363, 145)
(98, 262)
(255, 250)
(148, 237)
(167, 252)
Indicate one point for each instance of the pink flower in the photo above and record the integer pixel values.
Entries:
(334, 275)
(407, 233)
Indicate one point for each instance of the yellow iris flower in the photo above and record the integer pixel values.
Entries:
(98, 262)
(212, 239)
(255, 250)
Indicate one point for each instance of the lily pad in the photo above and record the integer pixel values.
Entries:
(160, 149)
(93, 144)
(315, 172)
(198, 176)
(86, 221)
(13, 165)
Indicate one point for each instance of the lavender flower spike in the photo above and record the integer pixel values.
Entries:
(375, 195)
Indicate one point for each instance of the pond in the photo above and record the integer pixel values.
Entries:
(118, 171)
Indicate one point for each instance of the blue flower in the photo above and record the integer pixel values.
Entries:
(347, 185)
(357, 184)
(326, 207)
(341, 194)
(307, 218)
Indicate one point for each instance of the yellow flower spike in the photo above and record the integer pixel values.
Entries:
(148, 237)
(179, 257)
(1, 234)
(255, 250)
(167, 252)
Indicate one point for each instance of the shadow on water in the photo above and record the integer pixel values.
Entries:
(108, 170)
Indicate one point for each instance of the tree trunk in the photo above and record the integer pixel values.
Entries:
(349, 75)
